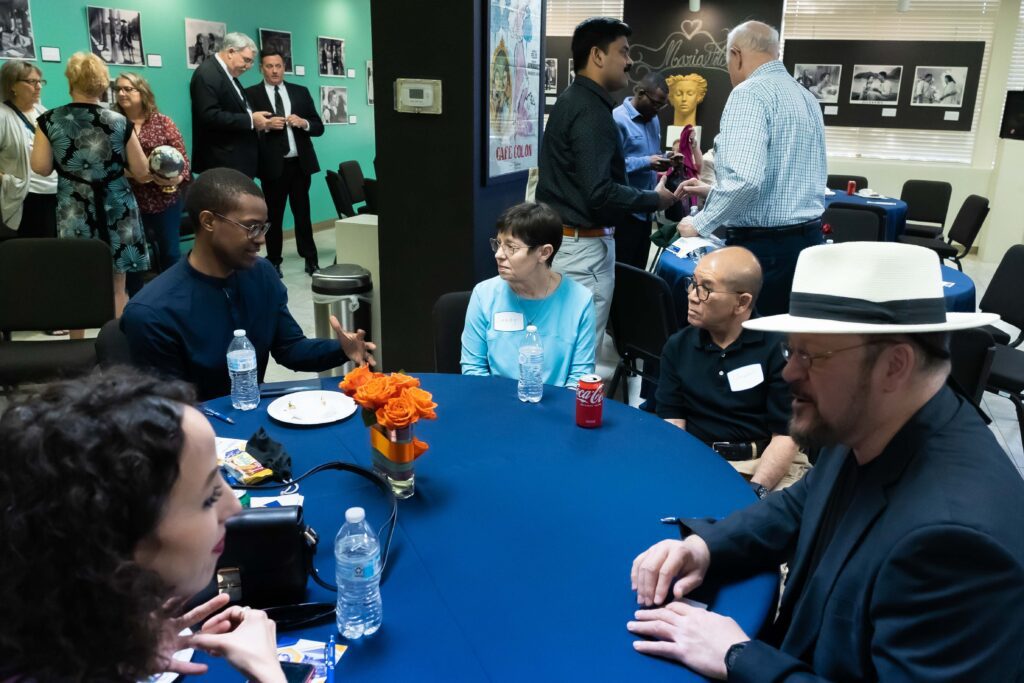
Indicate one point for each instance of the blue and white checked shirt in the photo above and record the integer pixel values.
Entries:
(639, 141)
(770, 166)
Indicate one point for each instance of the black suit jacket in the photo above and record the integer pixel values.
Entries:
(222, 132)
(274, 143)
(924, 577)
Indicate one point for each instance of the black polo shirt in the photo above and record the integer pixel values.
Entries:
(582, 170)
(716, 390)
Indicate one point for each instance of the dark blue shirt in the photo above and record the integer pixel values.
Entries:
(182, 322)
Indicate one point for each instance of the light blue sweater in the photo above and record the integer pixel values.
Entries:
(564, 320)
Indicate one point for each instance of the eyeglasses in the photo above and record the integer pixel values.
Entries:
(126, 88)
(704, 293)
(806, 360)
(254, 231)
(510, 249)
(34, 82)
(658, 104)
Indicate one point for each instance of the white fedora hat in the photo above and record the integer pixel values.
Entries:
(868, 288)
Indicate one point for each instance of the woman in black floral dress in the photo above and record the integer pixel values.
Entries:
(89, 146)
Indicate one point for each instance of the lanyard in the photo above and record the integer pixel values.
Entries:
(21, 115)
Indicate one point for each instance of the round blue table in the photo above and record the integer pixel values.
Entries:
(512, 560)
(958, 290)
(895, 210)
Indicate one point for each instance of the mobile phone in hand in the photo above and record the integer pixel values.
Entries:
(297, 672)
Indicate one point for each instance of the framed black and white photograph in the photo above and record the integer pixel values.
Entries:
(330, 55)
(939, 86)
(16, 38)
(369, 81)
(280, 41)
(115, 35)
(570, 74)
(550, 76)
(876, 84)
(202, 40)
(822, 80)
(334, 104)
(109, 96)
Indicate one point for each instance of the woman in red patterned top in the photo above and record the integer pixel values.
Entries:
(159, 199)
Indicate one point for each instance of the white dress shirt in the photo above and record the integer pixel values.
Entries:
(292, 150)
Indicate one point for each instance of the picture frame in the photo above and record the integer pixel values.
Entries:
(369, 82)
(115, 35)
(281, 41)
(330, 57)
(876, 84)
(203, 39)
(334, 104)
(939, 86)
(821, 80)
(18, 41)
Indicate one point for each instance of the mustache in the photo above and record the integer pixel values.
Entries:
(629, 67)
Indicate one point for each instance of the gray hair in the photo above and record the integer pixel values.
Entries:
(237, 42)
(755, 37)
(13, 71)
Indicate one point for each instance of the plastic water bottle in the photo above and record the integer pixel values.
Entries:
(357, 562)
(531, 367)
(245, 388)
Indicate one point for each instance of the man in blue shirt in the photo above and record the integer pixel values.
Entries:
(181, 323)
(770, 165)
(640, 134)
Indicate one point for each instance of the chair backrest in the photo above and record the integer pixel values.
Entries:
(339, 195)
(968, 221)
(838, 181)
(927, 200)
(449, 319)
(851, 223)
(52, 284)
(643, 314)
(1003, 295)
(971, 353)
(352, 175)
(112, 345)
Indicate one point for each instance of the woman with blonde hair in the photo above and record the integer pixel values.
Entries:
(159, 199)
(90, 146)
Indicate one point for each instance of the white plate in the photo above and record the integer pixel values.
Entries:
(312, 407)
(180, 655)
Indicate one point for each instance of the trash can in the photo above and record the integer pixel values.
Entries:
(342, 290)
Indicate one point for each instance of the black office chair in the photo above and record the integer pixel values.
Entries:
(643, 317)
(852, 223)
(112, 345)
(1003, 296)
(359, 188)
(964, 231)
(449, 318)
(927, 205)
(339, 195)
(839, 182)
(971, 353)
(50, 284)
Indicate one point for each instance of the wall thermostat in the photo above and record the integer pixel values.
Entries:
(417, 96)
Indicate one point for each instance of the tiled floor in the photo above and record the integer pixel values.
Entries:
(1004, 424)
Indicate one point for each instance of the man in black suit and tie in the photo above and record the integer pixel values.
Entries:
(224, 123)
(287, 158)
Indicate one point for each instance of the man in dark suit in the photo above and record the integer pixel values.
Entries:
(224, 123)
(904, 543)
(287, 157)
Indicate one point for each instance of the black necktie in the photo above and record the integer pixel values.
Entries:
(241, 92)
(278, 102)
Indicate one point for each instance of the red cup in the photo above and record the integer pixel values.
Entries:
(851, 186)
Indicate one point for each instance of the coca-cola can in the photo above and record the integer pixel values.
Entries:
(851, 186)
(589, 401)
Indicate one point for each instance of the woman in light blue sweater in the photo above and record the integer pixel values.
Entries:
(527, 292)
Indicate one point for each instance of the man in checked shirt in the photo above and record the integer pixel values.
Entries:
(770, 166)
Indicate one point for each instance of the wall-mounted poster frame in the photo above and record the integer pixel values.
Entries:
(904, 64)
(513, 88)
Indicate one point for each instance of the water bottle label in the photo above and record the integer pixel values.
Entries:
(367, 571)
(241, 363)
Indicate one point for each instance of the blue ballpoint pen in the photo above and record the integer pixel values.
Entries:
(210, 412)
(329, 658)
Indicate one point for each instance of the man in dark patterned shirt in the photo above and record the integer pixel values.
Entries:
(582, 169)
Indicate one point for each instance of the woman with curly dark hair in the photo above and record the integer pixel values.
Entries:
(114, 515)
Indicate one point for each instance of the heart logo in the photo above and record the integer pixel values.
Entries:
(691, 27)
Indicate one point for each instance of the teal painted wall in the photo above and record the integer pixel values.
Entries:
(62, 24)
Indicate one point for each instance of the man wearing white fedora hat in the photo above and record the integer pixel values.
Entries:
(904, 543)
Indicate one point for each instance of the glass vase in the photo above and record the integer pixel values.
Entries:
(394, 458)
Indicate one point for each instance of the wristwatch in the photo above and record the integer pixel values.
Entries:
(760, 490)
(732, 653)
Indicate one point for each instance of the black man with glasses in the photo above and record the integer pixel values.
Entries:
(181, 323)
(722, 383)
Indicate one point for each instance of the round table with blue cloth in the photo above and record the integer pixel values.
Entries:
(895, 210)
(511, 562)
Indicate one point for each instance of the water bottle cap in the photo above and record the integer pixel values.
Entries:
(531, 328)
(355, 515)
(239, 333)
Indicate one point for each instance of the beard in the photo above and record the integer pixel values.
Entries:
(817, 432)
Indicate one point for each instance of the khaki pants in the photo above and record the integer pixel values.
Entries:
(797, 469)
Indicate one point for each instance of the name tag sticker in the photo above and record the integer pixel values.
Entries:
(511, 322)
(747, 377)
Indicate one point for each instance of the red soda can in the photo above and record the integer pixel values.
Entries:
(589, 401)
(851, 186)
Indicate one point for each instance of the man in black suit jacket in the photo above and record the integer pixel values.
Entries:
(904, 543)
(287, 158)
(224, 124)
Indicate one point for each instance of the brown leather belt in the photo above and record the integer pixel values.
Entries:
(569, 231)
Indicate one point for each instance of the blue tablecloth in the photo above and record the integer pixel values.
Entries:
(958, 290)
(895, 211)
(512, 560)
